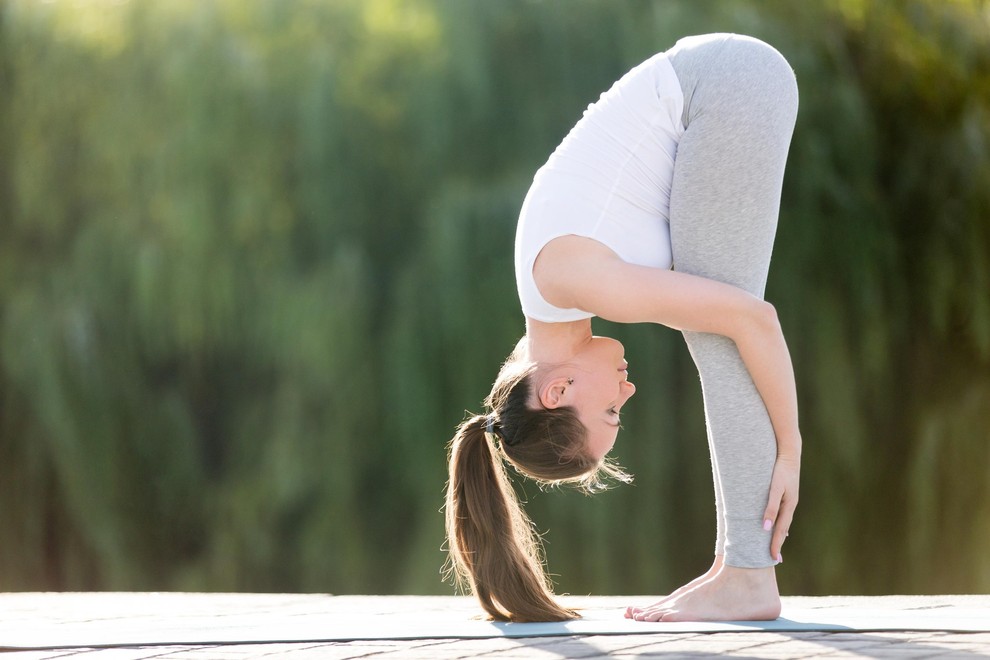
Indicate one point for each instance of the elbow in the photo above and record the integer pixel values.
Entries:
(767, 315)
(763, 319)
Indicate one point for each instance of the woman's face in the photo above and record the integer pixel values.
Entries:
(596, 383)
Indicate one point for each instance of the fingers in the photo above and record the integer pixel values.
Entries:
(780, 530)
(781, 504)
(770, 513)
(770, 520)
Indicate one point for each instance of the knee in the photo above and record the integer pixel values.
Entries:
(779, 78)
(775, 74)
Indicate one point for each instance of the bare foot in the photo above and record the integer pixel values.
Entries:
(631, 612)
(732, 594)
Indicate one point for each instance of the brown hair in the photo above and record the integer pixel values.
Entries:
(492, 545)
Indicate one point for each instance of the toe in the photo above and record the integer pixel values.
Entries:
(651, 615)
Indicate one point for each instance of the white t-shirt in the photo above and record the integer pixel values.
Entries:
(609, 180)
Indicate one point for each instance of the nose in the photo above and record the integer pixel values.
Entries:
(628, 389)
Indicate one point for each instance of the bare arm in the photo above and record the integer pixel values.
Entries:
(582, 273)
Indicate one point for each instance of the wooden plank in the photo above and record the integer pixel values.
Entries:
(748, 645)
(134, 625)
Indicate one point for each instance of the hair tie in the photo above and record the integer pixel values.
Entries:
(494, 429)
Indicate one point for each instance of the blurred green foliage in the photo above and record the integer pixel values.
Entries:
(256, 262)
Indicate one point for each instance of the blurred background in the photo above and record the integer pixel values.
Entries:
(255, 264)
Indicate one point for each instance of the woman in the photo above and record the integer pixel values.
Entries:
(659, 206)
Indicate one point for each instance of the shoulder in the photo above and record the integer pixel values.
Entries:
(566, 265)
(582, 273)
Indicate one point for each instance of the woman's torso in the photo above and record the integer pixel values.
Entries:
(609, 180)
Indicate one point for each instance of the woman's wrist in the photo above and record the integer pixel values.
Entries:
(789, 446)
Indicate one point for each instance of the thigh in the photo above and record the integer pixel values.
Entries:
(740, 107)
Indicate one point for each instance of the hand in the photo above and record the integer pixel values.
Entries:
(782, 501)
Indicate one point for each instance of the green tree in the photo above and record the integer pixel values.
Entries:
(256, 262)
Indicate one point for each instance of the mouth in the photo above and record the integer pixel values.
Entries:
(625, 366)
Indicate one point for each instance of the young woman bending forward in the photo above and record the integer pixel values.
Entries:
(660, 206)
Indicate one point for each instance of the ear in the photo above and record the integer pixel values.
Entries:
(554, 392)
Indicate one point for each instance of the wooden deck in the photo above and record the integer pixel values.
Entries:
(236, 626)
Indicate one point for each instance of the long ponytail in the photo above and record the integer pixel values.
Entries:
(492, 544)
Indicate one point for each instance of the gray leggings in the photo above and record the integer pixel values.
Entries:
(740, 103)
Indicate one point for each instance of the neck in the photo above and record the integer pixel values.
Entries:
(555, 343)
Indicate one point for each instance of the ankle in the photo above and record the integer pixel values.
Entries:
(754, 577)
